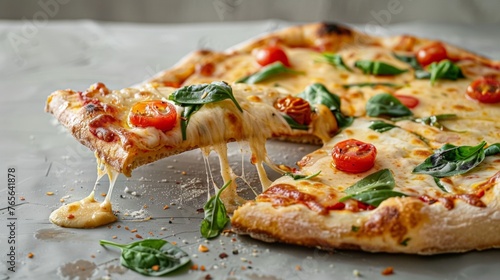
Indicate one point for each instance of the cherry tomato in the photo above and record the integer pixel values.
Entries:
(271, 54)
(354, 156)
(156, 113)
(484, 90)
(407, 100)
(434, 52)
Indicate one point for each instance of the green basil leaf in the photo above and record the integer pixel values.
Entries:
(372, 85)
(422, 74)
(142, 256)
(433, 121)
(293, 124)
(267, 72)
(376, 197)
(204, 94)
(410, 59)
(439, 184)
(493, 149)
(186, 116)
(319, 94)
(385, 104)
(451, 160)
(381, 126)
(302, 177)
(380, 180)
(405, 241)
(445, 69)
(216, 216)
(193, 97)
(377, 68)
(335, 60)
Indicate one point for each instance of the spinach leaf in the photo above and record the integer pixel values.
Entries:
(377, 68)
(445, 69)
(373, 189)
(215, 215)
(439, 184)
(302, 177)
(433, 121)
(150, 257)
(451, 160)
(372, 85)
(335, 60)
(381, 126)
(267, 72)
(493, 149)
(319, 94)
(385, 104)
(204, 94)
(293, 124)
(193, 97)
(410, 59)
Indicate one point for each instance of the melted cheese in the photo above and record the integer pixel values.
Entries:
(88, 212)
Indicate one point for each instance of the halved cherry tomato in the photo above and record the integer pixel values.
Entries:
(271, 54)
(407, 100)
(156, 113)
(434, 52)
(354, 156)
(485, 90)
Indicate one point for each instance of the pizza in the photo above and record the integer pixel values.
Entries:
(408, 157)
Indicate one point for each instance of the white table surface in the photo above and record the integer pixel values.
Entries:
(38, 58)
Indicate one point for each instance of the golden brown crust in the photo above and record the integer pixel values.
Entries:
(398, 225)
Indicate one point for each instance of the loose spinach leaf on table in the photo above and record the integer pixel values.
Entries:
(373, 189)
(267, 72)
(319, 94)
(150, 257)
(385, 104)
(216, 216)
(378, 68)
(193, 97)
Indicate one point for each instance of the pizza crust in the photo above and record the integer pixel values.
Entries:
(425, 229)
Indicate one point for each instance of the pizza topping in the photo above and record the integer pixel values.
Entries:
(381, 126)
(216, 216)
(372, 85)
(98, 126)
(433, 121)
(354, 156)
(319, 94)
(285, 194)
(336, 61)
(153, 113)
(271, 54)
(484, 90)
(193, 97)
(378, 68)
(267, 72)
(452, 160)
(444, 70)
(300, 176)
(373, 189)
(151, 257)
(386, 104)
(296, 108)
(408, 100)
(205, 69)
(434, 52)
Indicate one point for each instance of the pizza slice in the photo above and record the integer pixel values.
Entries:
(131, 127)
